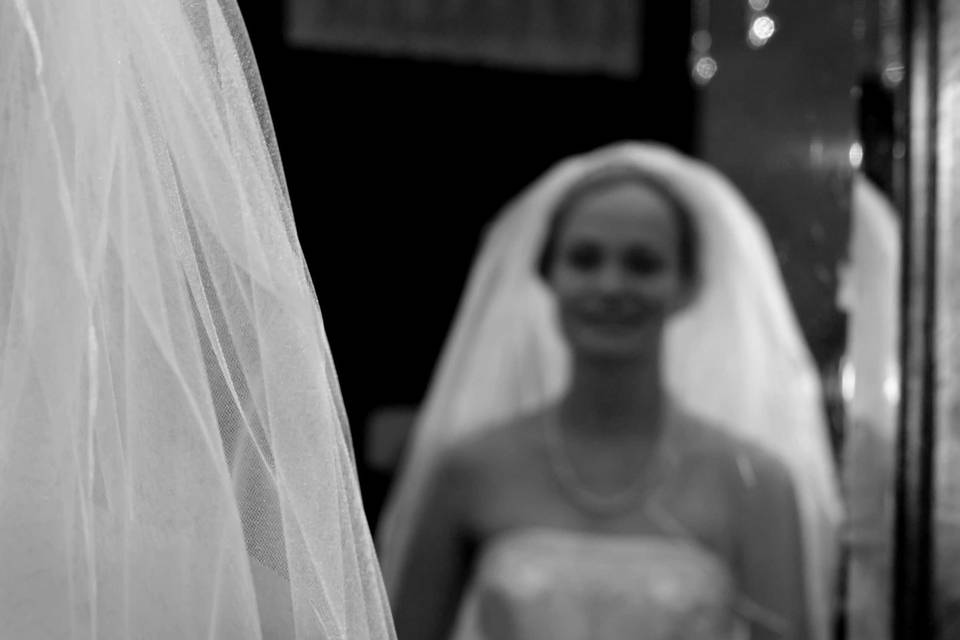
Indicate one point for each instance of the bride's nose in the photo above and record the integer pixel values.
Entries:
(610, 278)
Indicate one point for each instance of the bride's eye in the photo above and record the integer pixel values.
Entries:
(642, 262)
(584, 256)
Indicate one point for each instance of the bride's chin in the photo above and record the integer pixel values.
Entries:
(616, 349)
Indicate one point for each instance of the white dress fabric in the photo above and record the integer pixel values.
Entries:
(564, 585)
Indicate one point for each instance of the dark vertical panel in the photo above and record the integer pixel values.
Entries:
(913, 596)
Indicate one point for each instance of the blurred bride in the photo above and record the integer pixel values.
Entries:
(625, 436)
(174, 458)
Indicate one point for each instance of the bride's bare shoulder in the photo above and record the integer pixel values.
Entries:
(712, 444)
(508, 444)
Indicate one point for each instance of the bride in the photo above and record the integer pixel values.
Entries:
(624, 438)
(174, 457)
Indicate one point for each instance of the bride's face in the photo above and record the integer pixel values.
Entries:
(617, 273)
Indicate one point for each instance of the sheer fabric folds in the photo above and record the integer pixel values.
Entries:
(174, 456)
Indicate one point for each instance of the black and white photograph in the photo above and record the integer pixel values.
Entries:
(479, 320)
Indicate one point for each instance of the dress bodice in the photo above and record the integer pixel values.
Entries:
(564, 585)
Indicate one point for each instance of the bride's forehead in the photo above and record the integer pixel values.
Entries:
(623, 206)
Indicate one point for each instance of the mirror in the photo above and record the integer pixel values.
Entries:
(420, 120)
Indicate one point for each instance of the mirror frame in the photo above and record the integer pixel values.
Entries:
(916, 175)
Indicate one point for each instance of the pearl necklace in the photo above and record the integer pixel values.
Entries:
(602, 503)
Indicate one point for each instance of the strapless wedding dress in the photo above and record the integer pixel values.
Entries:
(562, 585)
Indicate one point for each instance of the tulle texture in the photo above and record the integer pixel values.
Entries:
(174, 457)
(736, 356)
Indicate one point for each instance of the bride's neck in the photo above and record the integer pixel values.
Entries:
(609, 398)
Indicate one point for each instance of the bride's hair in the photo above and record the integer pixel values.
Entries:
(611, 176)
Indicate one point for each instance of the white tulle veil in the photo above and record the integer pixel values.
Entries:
(870, 295)
(736, 356)
(174, 457)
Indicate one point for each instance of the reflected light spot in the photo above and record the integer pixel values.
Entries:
(701, 41)
(891, 387)
(848, 381)
(856, 155)
(759, 5)
(761, 30)
(893, 74)
(704, 69)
